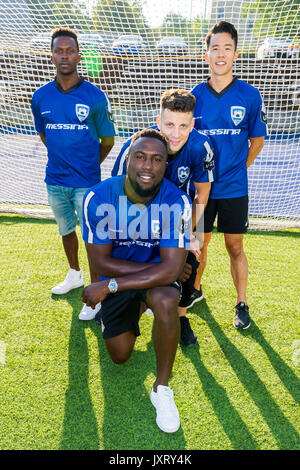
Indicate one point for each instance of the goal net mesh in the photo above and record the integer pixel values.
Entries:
(134, 76)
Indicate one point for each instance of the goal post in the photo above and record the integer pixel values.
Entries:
(166, 49)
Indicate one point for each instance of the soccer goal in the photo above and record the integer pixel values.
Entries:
(134, 50)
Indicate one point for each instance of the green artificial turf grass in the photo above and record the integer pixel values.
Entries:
(60, 390)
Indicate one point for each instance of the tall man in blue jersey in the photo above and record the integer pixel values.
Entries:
(190, 167)
(137, 229)
(232, 113)
(71, 115)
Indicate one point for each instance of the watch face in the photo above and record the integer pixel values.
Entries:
(113, 286)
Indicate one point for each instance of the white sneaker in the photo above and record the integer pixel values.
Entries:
(149, 312)
(167, 416)
(89, 313)
(73, 280)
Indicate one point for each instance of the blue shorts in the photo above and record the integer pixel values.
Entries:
(66, 205)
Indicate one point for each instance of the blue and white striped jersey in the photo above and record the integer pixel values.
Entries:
(136, 231)
(194, 162)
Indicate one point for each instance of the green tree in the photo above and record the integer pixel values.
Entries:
(193, 31)
(197, 32)
(274, 17)
(53, 13)
(119, 16)
(174, 25)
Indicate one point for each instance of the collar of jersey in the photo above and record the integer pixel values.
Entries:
(219, 95)
(68, 90)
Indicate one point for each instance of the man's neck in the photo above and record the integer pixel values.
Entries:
(67, 81)
(219, 83)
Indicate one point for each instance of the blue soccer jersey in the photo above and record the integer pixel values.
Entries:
(230, 118)
(136, 231)
(194, 162)
(72, 121)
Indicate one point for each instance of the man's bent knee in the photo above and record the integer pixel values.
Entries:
(164, 303)
(120, 347)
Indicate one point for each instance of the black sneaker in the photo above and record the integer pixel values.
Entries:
(241, 319)
(187, 336)
(196, 296)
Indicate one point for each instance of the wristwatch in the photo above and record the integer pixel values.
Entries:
(112, 286)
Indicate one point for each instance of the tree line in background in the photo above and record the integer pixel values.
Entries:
(127, 17)
(114, 16)
(278, 18)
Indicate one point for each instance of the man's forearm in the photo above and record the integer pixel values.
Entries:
(104, 151)
(199, 204)
(43, 138)
(114, 267)
(106, 144)
(157, 274)
(256, 146)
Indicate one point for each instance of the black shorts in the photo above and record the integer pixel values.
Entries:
(120, 312)
(188, 286)
(232, 215)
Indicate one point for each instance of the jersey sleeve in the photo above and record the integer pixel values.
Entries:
(38, 120)
(176, 223)
(257, 124)
(120, 166)
(103, 120)
(196, 91)
(204, 162)
(95, 220)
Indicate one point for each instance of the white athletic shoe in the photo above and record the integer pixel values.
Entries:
(89, 313)
(73, 280)
(149, 312)
(167, 416)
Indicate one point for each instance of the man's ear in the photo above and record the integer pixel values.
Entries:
(192, 124)
(158, 121)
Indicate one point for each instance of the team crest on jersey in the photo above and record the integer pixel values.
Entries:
(155, 228)
(82, 111)
(183, 173)
(237, 114)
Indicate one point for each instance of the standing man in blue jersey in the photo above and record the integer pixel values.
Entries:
(137, 231)
(190, 167)
(233, 114)
(74, 121)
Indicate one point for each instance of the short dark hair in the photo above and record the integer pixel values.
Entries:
(58, 32)
(152, 133)
(178, 100)
(222, 27)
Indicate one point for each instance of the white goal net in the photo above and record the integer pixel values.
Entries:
(134, 50)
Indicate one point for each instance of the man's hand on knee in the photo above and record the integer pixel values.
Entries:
(186, 272)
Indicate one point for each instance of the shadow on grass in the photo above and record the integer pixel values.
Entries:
(13, 220)
(285, 233)
(17, 219)
(129, 417)
(80, 428)
(233, 425)
(283, 431)
(284, 372)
